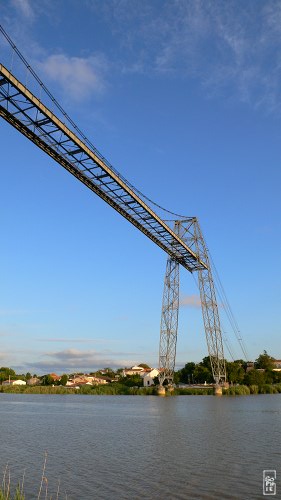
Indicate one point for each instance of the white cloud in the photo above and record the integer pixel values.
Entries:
(190, 301)
(70, 360)
(230, 49)
(24, 8)
(79, 78)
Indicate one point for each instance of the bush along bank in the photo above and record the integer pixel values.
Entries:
(244, 390)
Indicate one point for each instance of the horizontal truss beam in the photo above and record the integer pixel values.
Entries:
(20, 108)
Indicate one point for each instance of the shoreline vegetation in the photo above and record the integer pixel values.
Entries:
(121, 390)
(263, 376)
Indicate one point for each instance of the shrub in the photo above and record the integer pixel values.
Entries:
(268, 389)
(254, 389)
(189, 391)
(237, 390)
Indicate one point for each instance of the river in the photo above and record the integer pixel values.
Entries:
(141, 447)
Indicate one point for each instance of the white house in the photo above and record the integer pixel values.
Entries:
(14, 382)
(135, 370)
(96, 380)
(149, 376)
(85, 380)
(277, 365)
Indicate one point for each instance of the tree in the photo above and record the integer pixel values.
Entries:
(265, 361)
(206, 362)
(131, 381)
(235, 372)
(254, 377)
(202, 374)
(276, 377)
(185, 375)
(176, 378)
(64, 379)
(6, 372)
(144, 365)
(47, 380)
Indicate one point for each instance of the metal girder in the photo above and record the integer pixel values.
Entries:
(184, 245)
(189, 230)
(169, 323)
(20, 108)
(210, 310)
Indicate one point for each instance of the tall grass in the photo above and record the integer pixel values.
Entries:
(6, 492)
(116, 389)
(239, 390)
(37, 389)
(5, 489)
(108, 389)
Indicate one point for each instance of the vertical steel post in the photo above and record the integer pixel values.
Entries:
(209, 308)
(190, 232)
(169, 322)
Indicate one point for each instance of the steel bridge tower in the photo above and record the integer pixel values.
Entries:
(189, 231)
(64, 142)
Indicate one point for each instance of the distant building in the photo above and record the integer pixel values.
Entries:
(148, 377)
(34, 381)
(250, 366)
(134, 370)
(96, 380)
(277, 365)
(86, 380)
(13, 382)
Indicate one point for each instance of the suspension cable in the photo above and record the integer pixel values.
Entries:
(225, 301)
(226, 340)
(77, 129)
(229, 312)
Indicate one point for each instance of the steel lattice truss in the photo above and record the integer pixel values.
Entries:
(190, 232)
(169, 322)
(184, 245)
(26, 113)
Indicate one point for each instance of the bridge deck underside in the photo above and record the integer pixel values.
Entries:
(28, 115)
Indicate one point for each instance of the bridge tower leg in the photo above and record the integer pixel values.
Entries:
(169, 323)
(210, 310)
(190, 232)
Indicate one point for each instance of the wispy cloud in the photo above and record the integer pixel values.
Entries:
(78, 77)
(73, 340)
(231, 49)
(190, 301)
(24, 8)
(69, 360)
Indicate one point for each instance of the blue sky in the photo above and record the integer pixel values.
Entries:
(183, 97)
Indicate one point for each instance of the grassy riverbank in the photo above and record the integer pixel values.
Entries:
(241, 390)
(110, 389)
(119, 389)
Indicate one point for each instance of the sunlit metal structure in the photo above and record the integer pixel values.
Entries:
(184, 243)
(189, 231)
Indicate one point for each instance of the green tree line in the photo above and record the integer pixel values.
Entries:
(238, 372)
